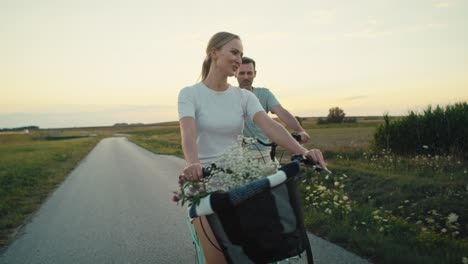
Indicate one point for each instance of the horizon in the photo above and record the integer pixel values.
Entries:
(96, 63)
(124, 124)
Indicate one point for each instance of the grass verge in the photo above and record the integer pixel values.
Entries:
(30, 168)
(385, 210)
(164, 140)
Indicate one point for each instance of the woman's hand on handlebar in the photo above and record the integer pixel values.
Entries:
(193, 171)
(316, 156)
(304, 137)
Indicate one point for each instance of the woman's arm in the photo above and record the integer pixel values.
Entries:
(278, 134)
(188, 133)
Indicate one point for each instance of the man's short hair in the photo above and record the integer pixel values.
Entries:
(247, 60)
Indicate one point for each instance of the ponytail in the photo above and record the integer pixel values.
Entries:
(206, 67)
(217, 41)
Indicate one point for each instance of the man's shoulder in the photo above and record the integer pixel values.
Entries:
(262, 91)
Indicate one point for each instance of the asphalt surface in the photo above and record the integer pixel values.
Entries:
(115, 207)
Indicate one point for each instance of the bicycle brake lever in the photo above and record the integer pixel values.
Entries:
(206, 171)
(296, 136)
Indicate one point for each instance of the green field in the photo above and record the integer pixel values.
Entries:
(386, 207)
(30, 167)
(34, 164)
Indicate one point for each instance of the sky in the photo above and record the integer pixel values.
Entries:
(100, 62)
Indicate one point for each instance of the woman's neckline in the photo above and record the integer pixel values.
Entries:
(215, 91)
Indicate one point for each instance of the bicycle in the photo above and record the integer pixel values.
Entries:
(275, 235)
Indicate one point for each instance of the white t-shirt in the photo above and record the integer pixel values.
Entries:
(219, 116)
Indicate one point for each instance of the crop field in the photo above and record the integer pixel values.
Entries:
(389, 208)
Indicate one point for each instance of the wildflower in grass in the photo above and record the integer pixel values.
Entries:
(452, 217)
(430, 220)
(443, 230)
(327, 191)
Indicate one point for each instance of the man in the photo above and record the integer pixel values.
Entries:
(245, 76)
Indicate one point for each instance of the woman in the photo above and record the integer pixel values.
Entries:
(211, 116)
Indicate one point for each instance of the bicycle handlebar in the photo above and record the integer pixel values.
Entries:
(219, 201)
(206, 171)
(308, 163)
(300, 158)
(273, 144)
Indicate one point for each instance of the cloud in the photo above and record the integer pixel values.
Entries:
(325, 17)
(443, 3)
(356, 97)
(375, 30)
(272, 36)
(368, 34)
(328, 37)
(419, 28)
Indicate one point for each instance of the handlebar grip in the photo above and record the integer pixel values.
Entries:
(296, 137)
(308, 163)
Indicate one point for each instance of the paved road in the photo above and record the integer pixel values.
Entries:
(115, 208)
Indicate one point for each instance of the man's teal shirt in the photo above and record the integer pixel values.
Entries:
(268, 101)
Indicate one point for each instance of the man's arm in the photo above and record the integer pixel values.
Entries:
(278, 134)
(290, 121)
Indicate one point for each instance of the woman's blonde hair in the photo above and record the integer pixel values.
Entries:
(217, 41)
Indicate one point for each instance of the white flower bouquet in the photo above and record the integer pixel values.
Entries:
(238, 166)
